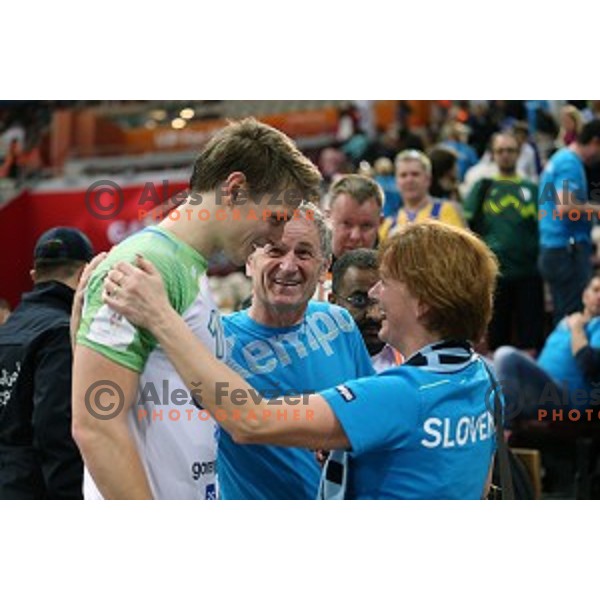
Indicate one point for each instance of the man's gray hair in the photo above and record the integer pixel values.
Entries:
(313, 213)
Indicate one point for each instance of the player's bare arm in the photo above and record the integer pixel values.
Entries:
(106, 444)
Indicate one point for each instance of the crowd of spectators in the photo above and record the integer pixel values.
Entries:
(454, 168)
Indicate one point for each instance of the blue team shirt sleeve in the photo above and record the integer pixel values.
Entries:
(593, 332)
(376, 413)
(567, 174)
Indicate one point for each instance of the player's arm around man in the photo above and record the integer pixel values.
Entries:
(313, 425)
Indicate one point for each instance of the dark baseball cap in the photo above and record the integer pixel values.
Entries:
(63, 243)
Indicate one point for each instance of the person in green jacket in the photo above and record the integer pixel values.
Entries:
(503, 211)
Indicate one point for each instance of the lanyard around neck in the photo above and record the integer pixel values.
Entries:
(443, 357)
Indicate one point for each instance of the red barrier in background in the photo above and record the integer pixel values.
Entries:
(25, 218)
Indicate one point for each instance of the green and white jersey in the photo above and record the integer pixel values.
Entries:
(175, 439)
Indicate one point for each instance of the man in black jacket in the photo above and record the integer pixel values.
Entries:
(38, 458)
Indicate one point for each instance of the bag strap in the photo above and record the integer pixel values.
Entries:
(506, 482)
(484, 189)
(436, 209)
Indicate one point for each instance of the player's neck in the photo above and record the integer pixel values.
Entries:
(578, 149)
(507, 174)
(200, 233)
(588, 314)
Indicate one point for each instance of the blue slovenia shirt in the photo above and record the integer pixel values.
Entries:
(325, 349)
(558, 361)
(564, 171)
(417, 434)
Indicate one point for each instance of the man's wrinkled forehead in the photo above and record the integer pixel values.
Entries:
(298, 232)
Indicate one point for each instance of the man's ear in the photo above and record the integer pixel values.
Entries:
(235, 185)
(79, 273)
(32, 275)
(422, 309)
(249, 265)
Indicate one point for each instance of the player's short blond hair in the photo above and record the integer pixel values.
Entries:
(267, 157)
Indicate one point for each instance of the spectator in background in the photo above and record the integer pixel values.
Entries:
(39, 458)
(413, 176)
(386, 145)
(528, 163)
(455, 136)
(367, 117)
(503, 211)
(355, 205)
(384, 176)
(332, 162)
(481, 125)
(486, 167)
(542, 127)
(571, 123)
(30, 160)
(365, 169)
(567, 368)
(355, 208)
(591, 111)
(4, 311)
(10, 168)
(504, 113)
(9, 134)
(564, 224)
(444, 174)
(406, 138)
(353, 276)
(357, 146)
(348, 123)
